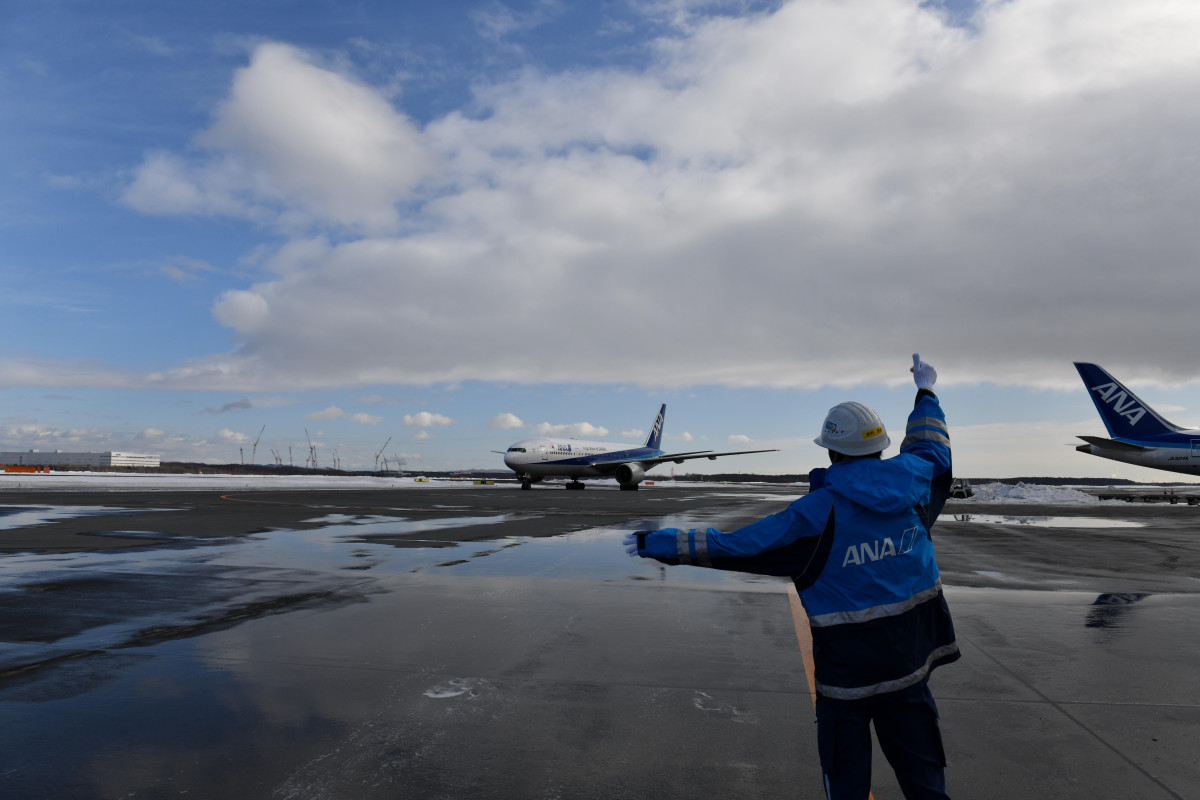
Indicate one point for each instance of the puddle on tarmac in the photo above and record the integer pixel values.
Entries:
(55, 604)
(1043, 522)
(781, 496)
(13, 517)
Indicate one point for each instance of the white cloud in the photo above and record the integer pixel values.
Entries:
(1170, 409)
(295, 135)
(849, 181)
(366, 419)
(1080, 47)
(232, 436)
(422, 434)
(505, 422)
(243, 311)
(633, 434)
(163, 187)
(494, 20)
(332, 412)
(576, 429)
(187, 270)
(178, 274)
(152, 44)
(35, 435)
(682, 437)
(424, 419)
(738, 438)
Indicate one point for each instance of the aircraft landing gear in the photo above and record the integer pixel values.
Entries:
(576, 485)
(526, 484)
(629, 487)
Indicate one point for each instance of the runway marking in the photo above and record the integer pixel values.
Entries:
(804, 637)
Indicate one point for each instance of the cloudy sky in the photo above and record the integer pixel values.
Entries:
(458, 224)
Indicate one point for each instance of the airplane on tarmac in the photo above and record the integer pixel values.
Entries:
(535, 459)
(1139, 434)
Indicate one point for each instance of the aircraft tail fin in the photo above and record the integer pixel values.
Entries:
(1123, 412)
(654, 440)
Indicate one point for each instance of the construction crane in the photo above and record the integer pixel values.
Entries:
(377, 455)
(312, 450)
(254, 449)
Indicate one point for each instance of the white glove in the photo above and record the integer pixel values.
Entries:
(630, 542)
(924, 375)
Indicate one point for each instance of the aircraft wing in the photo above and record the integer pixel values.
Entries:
(654, 461)
(678, 458)
(688, 453)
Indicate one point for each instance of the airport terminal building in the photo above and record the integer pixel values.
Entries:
(36, 458)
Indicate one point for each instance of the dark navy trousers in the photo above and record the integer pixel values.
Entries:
(906, 723)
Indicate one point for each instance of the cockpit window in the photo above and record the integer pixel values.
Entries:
(516, 449)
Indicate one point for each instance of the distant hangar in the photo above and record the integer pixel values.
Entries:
(36, 458)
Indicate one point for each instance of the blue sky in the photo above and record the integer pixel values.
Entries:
(434, 221)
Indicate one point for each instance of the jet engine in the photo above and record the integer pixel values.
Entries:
(629, 475)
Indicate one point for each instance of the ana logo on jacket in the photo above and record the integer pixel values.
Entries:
(880, 548)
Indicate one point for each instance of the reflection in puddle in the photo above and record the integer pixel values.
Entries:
(14, 517)
(781, 496)
(455, 687)
(1046, 522)
(1110, 611)
(397, 531)
(65, 605)
(987, 573)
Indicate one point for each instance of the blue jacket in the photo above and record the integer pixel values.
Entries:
(859, 550)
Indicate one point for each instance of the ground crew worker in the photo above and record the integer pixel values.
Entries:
(859, 550)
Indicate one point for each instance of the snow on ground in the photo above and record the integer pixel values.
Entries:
(191, 482)
(110, 481)
(1023, 493)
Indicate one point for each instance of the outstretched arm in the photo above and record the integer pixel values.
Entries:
(928, 438)
(781, 544)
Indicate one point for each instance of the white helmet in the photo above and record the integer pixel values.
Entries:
(852, 429)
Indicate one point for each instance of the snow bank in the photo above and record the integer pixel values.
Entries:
(1024, 493)
(218, 482)
(109, 481)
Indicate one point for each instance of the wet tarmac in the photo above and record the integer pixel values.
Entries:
(493, 643)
